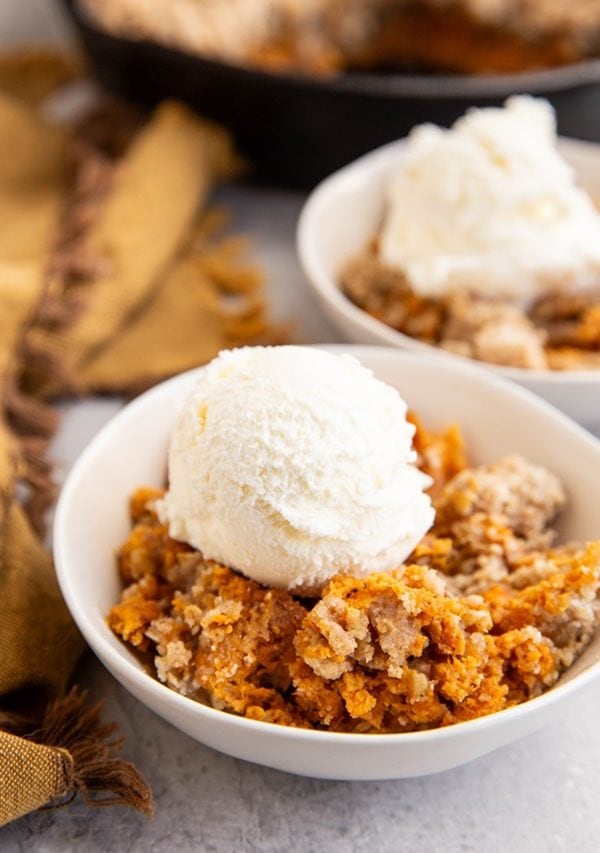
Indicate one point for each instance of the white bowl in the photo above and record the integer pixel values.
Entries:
(497, 418)
(345, 211)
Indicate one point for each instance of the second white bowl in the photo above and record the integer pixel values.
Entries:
(343, 214)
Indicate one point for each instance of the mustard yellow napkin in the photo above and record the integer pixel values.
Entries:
(49, 746)
(112, 277)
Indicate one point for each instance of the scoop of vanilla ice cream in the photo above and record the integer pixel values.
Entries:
(292, 464)
(491, 206)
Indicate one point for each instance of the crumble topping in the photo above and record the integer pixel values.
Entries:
(560, 332)
(486, 613)
(326, 36)
(528, 496)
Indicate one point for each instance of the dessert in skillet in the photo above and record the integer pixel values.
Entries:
(327, 36)
(488, 246)
(319, 559)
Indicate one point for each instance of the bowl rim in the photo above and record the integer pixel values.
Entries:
(393, 85)
(327, 289)
(119, 660)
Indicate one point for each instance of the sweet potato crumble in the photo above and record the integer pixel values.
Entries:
(559, 332)
(488, 612)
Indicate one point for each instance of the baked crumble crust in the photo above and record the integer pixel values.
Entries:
(327, 36)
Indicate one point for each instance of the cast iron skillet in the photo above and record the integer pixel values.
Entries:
(297, 130)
